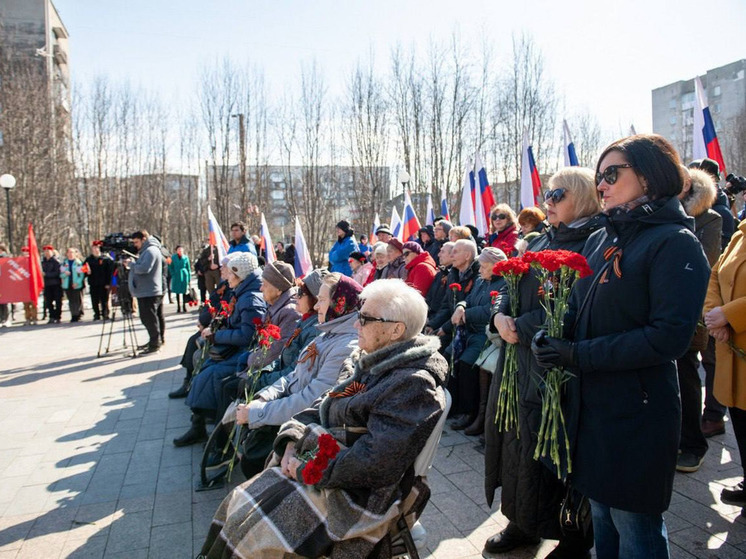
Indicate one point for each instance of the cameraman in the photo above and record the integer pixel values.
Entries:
(146, 283)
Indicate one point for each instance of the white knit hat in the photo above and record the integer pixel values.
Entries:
(242, 264)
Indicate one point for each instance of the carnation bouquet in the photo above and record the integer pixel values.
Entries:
(317, 461)
(557, 271)
(512, 270)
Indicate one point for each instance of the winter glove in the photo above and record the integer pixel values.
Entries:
(552, 352)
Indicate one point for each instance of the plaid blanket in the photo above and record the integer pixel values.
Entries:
(272, 516)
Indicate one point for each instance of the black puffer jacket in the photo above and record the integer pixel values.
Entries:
(531, 493)
(447, 306)
(624, 413)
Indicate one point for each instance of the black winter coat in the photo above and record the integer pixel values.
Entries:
(102, 269)
(435, 293)
(447, 306)
(531, 493)
(50, 268)
(631, 324)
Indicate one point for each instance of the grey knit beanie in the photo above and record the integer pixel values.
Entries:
(279, 274)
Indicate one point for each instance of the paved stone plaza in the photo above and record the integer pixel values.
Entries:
(88, 468)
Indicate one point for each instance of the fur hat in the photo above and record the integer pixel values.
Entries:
(280, 275)
(242, 264)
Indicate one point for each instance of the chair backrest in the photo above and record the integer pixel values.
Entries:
(424, 460)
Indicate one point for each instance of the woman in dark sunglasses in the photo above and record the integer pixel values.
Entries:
(531, 493)
(631, 319)
(503, 228)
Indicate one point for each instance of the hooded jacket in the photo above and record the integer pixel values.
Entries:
(242, 245)
(340, 253)
(146, 273)
(632, 319)
(421, 272)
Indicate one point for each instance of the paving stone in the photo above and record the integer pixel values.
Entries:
(172, 508)
(92, 548)
(130, 532)
(171, 542)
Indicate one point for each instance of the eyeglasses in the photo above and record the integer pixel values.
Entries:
(610, 173)
(555, 195)
(365, 319)
(499, 216)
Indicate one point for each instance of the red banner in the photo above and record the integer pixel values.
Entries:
(15, 280)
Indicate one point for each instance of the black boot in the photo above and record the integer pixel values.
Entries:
(180, 392)
(463, 423)
(477, 428)
(509, 539)
(197, 433)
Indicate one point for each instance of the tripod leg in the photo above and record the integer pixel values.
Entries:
(130, 325)
(101, 338)
(111, 329)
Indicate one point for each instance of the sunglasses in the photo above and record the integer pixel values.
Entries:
(499, 216)
(555, 195)
(610, 173)
(365, 319)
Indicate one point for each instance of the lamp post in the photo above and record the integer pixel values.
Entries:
(403, 179)
(8, 182)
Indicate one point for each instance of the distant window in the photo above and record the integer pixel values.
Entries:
(716, 91)
(672, 103)
(717, 127)
(717, 108)
(673, 120)
(1, 137)
(277, 194)
(739, 75)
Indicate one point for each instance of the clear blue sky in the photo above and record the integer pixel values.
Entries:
(604, 56)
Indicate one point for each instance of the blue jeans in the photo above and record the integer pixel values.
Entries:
(620, 534)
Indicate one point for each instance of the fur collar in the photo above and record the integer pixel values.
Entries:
(399, 355)
(702, 195)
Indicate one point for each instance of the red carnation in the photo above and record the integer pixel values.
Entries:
(455, 286)
(273, 331)
(257, 321)
(311, 474)
(328, 446)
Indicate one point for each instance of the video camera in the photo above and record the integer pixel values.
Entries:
(736, 184)
(120, 244)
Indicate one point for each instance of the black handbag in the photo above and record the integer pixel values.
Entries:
(256, 447)
(221, 352)
(575, 514)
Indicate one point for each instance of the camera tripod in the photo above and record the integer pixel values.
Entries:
(128, 331)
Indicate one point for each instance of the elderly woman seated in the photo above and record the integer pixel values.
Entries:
(381, 417)
(319, 367)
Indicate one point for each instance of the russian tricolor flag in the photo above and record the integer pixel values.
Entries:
(571, 159)
(269, 249)
(429, 213)
(396, 224)
(705, 141)
(444, 205)
(411, 223)
(466, 212)
(216, 237)
(485, 193)
(479, 220)
(303, 263)
(530, 181)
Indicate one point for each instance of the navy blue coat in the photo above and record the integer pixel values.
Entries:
(624, 411)
(249, 305)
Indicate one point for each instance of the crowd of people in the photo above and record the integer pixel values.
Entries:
(335, 381)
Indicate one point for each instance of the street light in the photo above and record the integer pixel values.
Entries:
(8, 182)
(404, 179)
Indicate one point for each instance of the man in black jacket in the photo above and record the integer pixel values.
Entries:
(100, 270)
(50, 267)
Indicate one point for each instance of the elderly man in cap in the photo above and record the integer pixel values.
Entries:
(100, 271)
(383, 233)
(396, 268)
(50, 268)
